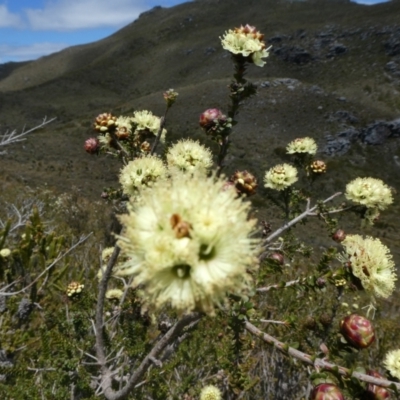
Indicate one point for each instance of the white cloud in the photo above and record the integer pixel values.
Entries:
(369, 2)
(64, 15)
(29, 52)
(9, 20)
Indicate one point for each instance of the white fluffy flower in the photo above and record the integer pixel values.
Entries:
(5, 253)
(392, 363)
(371, 262)
(280, 177)
(189, 156)
(189, 242)
(210, 392)
(146, 121)
(141, 173)
(302, 145)
(370, 192)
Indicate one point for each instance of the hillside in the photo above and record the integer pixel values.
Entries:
(334, 71)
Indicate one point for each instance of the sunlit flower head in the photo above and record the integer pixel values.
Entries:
(5, 253)
(370, 192)
(210, 393)
(123, 127)
(189, 156)
(114, 294)
(189, 242)
(146, 121)
(246, 41)
(141, 173)
(392, 363)
(371, 262)
(302, 145)
(280, 177)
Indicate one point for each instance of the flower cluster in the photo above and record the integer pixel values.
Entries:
(188, 242)
(370, 192)
(74, 288)
(302, 145)
(392, 363)
(371, 262)
(141, 173)
(280, 177)
(146, 121)
(189, 156)
(247, 42)
(318, 167)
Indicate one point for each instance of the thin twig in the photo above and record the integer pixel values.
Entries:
(318, 363)
(309, 211)
(278, 286)
(12, 137)
(81, 240)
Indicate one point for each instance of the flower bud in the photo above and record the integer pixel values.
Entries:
(104, 121)
(326, 391)
(277, 257)
(321, 282)
(318, 167)
(211, 118)
(339, 236)
(358, 331)
(92, 146)
(245, 182)
(170, 97)
(375, 392)
(325, 319)
(74, 288)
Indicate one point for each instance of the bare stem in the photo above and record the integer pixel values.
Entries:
(279, 286)
(317, 363)
(308, 212)
(12, 137)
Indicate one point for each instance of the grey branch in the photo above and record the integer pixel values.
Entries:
(317, 363)
(60, 257)
(13, 136)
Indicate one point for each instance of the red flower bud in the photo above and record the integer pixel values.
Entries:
(339, 236)
(326, 391)
(211, 118)
(245, 182)
(278, 258)
(92, 146)
(375, 392)
(358, 331)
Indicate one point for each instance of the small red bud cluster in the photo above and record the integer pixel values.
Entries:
(326, 391)
(245, 182)
(92, 145)
(358, 331)
(339, 235)
(213, 121)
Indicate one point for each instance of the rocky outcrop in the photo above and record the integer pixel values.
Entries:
(376, 133)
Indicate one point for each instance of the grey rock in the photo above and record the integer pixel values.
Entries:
(336, 146)
(294, 54)
(343, 116)
(392, 46)
(209, 50)
(24, 309)
(376, 133)
(336, 49)
(3, 304)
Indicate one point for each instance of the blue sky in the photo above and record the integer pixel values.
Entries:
(33, 28)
